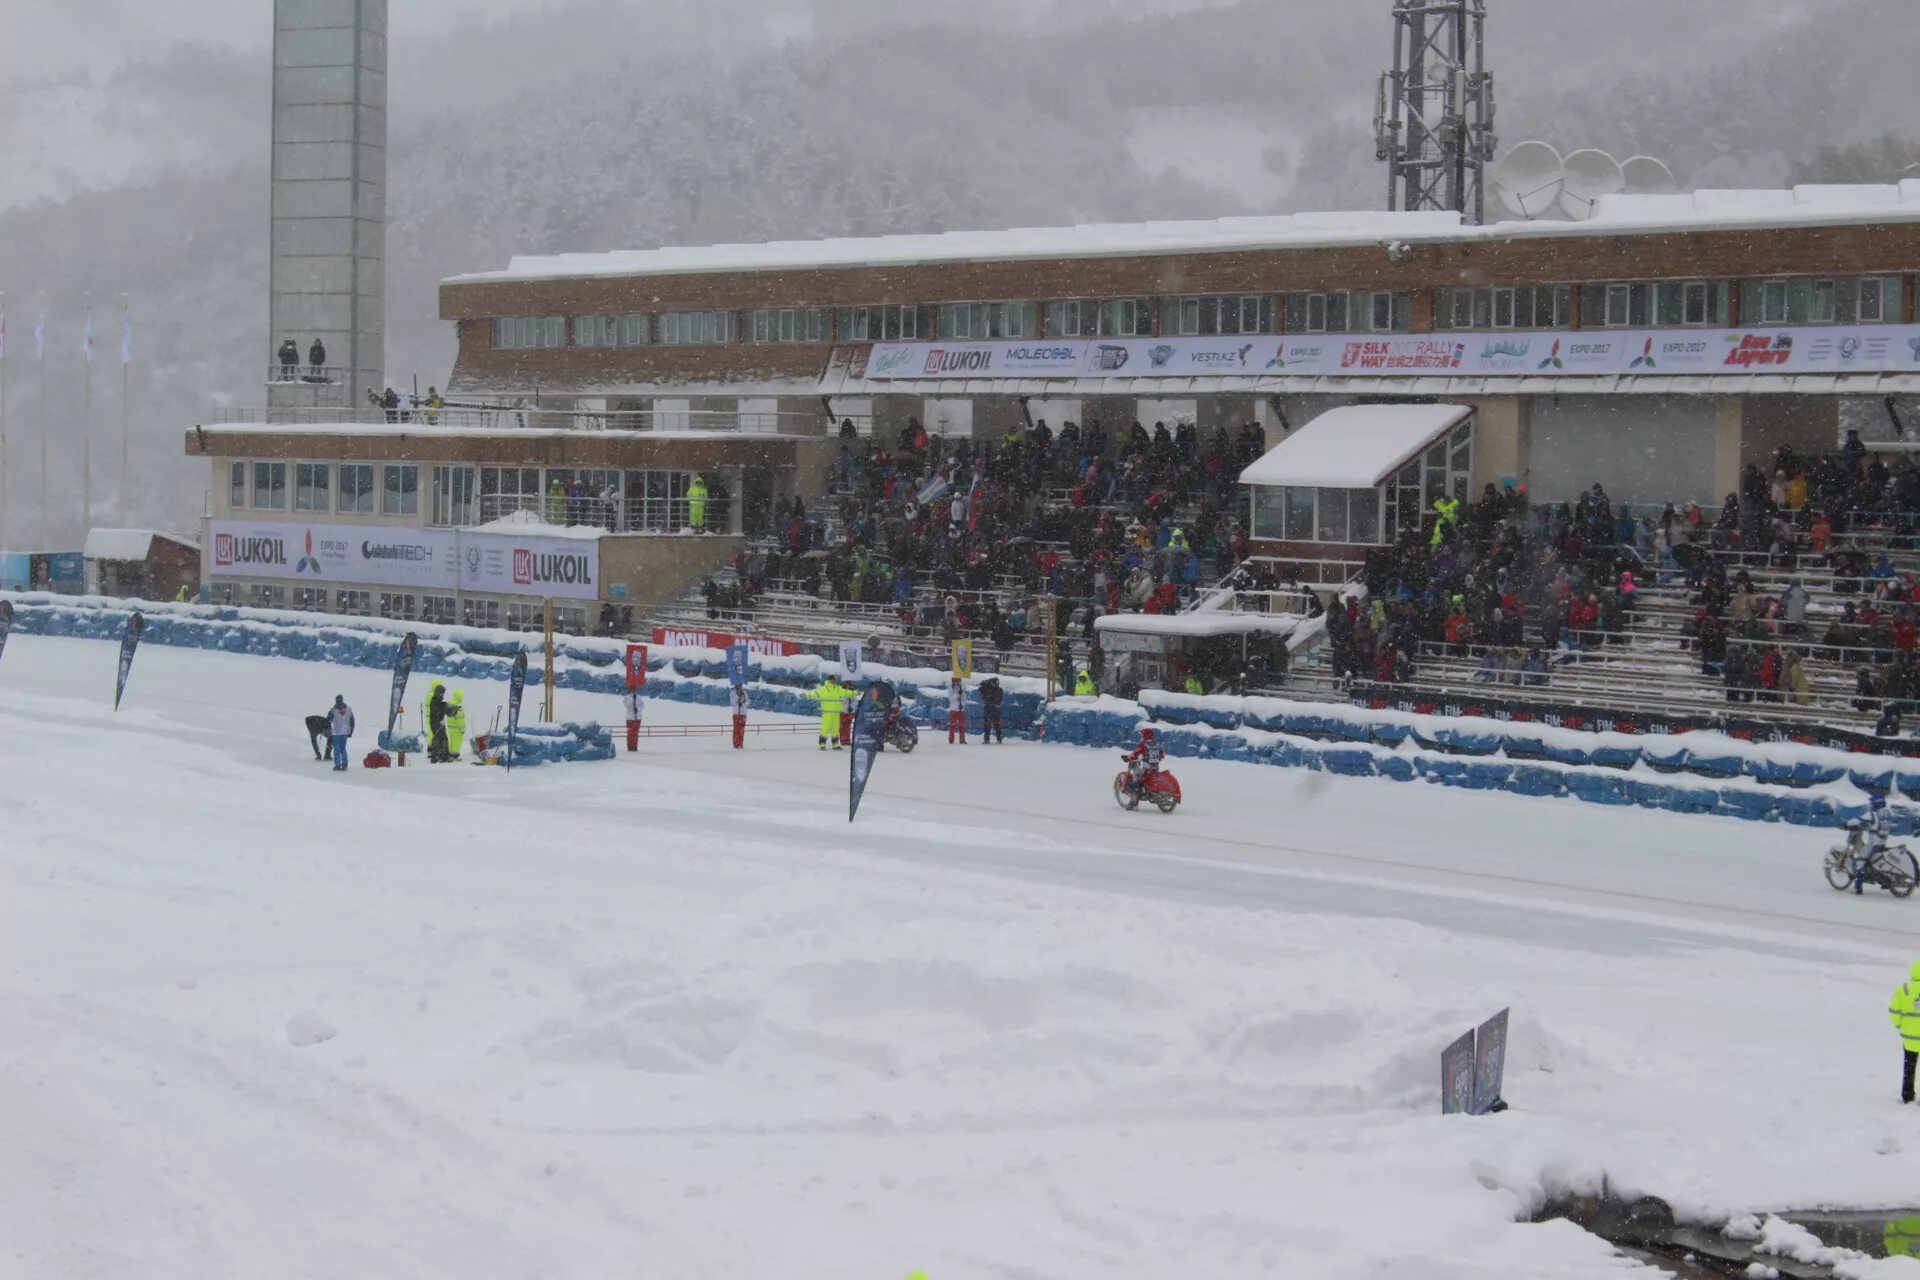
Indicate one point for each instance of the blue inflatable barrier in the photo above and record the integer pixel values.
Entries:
(1533, 780)
(1352, 762)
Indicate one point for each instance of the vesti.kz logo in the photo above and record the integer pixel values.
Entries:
(308, 563)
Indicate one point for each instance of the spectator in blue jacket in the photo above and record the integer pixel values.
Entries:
(339, 729)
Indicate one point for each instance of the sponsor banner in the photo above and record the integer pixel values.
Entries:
(869, 724)
(1456, 1076)
(1517, 353)
(508, 564)
(1489, 1062)
(738, 658)
(765, 645)
(516, 690)
(331, 553)
(402, 668)
(636, 666)
(130, 641)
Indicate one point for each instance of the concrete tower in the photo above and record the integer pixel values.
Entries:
(329, 201)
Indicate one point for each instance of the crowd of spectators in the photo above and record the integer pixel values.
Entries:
(1103, 523)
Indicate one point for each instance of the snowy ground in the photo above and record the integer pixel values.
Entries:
(672, 1016)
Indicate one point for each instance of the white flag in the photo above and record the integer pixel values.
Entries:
(40, 336)
(86, 337)
(126, 335)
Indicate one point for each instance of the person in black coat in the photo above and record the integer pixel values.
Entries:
(289, 357)
(990, 696)
(438, 752)
(316, 356)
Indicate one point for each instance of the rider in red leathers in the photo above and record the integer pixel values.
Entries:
(1143, 761)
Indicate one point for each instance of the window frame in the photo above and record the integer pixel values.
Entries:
(301, 472)
(342, 494)
(408, 503)
(276, 474)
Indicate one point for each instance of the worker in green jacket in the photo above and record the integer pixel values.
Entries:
(1083, 684)
(180, 597)
(697, 504)
(1904, 1009)
(457, 723)
(1194, 686)
(1446, 511)
(832, 697)
(556, 501)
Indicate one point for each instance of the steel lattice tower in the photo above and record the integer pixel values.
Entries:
(1434, 123)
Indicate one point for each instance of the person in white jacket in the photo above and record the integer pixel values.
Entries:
(339, 729)
(957, 712)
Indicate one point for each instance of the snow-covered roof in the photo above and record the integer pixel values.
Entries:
(127, 544)
(1356, 446)
(528, 524)
(391, 430)
(1198, 625)
(1709, 210)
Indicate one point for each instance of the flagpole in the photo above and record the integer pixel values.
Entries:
(40, 358)
(86, 426)
(126, 364)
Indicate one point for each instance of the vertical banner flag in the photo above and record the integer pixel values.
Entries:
(126, 333)
(516, 685)
(963, 659)
(402, 668)
(850, 654)
(737, 665)
(86, 336)
(6, 623)
(1489, 1063)
(869, 722)
(636, 666)
(1456, 1076)
(128, 643)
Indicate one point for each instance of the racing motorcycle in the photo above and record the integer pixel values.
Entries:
(902, 734)
(1160, 789)
(1892, 867)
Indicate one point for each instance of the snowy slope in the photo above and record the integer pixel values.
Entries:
(673, 1016)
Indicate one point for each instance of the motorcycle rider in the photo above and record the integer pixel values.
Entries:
(887, 698)
(1868, 839)
(1143, 762)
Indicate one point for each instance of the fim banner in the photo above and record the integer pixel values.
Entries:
(402, 668)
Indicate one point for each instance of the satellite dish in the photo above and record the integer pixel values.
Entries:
(1529, 179)
(1647, 176)
(1590, 175)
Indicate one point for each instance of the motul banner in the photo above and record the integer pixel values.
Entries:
(1812, 349)
(767, 645)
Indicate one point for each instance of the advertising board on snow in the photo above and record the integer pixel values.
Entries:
(697, 639)
(1512, 353)
(427, 559)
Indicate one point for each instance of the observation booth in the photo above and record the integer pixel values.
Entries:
(1155, 651)
(1353, 479)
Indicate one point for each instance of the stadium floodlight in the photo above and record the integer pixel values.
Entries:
(1590, 174)
(1529, 179)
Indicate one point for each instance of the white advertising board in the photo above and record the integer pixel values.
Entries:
(1534, 353)
(427, 559)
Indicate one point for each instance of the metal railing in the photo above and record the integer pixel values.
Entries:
(301, 373)
(626, 515)
(469, 416)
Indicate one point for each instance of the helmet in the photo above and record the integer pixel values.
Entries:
(1146, 735)
(1877, 803)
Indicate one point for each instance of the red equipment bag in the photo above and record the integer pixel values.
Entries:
(377, 759)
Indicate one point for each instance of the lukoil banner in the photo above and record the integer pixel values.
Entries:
(428, 559)
(509, 564)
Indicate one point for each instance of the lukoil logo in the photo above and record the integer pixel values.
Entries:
(941, 360)
(531, 568)
(230, 550)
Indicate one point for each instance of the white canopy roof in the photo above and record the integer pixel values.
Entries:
(126, 544)
(1355, 447)
(1198, 625)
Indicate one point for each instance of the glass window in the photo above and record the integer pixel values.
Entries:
(1299, 515)
(310, 599)
(1820, 301)
(356, 488)
(310, 487)
(1363, 515)
(1331, 525)
(787, 324)
(262, 596)
(270, 486)
(1268, 509)
(400, 489)
(1382, 313)
(696, 328)
(437, 609)
(454, 495)
(878, 324)
(1125, 318)
(634, 330)
(356, 603)
(395, 604)
(236, 485)
(1066, 320)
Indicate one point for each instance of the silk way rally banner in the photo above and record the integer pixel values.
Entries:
(431, 559)
(1829, 349)
(128, 643)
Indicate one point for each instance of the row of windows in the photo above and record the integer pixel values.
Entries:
(403, 605)
(1603, 304)
(348, 488)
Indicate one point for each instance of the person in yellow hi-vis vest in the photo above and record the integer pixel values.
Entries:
(1904, 1009)
(697, 504)
(832, 697)
(556, 501)
(457, 723)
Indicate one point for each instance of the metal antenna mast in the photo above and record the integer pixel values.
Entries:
(1434, 122)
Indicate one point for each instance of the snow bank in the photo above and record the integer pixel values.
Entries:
(1779, 782)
